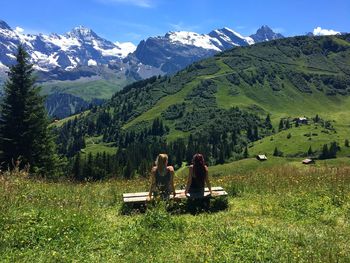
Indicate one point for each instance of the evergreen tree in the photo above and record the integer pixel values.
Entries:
(333, 150)
(268, 123)
(245, 153)
(277, 152)
(24, 132)
(310, 152)
(128, 170)
(287, 124)
(317, 118)
(325, 152)
(281, 125)
(77, 167)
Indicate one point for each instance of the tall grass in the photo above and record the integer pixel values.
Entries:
(276, 214)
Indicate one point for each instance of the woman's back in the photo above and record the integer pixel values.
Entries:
(163, 180)
(198, 180)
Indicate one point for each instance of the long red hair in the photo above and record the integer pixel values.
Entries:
(198, 166)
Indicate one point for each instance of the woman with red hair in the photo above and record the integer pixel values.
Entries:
(198, 176)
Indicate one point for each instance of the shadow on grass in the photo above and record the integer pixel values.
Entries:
(184, 206)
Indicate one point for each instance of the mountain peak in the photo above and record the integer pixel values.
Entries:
(81, 32)
(265, 33)
(4, 25)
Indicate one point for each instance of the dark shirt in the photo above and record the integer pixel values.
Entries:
(163, 183)
(197, 184)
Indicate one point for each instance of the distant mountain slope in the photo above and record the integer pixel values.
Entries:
(176, 50)
(286, 77)
(82, 47)
(81, 54)
(79, 47)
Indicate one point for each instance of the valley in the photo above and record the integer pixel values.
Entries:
(285, 79)
(174, 131)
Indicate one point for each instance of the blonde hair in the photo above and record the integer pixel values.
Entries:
(161, 161)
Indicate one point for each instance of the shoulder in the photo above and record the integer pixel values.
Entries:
(206, 168)
(191, 167)
(154, 169)
(170, 168)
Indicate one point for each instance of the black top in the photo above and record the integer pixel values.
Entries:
(197, 184)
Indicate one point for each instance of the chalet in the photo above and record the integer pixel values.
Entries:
(301, 120)
(261, 157)
(308, 161)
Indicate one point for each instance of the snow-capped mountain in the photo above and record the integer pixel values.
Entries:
(81, 56)
(156, 55)
(229, 38)
(176, 50)
(79, 47)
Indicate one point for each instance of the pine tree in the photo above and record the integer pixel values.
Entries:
(310, 152)
(281, 125)
(77, 167)
(317, 118)
(24, 132)
(277, 152)
(245, 153)
(268, 122)
(287, 124)
(325, 152)
(333, 150)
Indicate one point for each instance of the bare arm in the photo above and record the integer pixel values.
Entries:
(207, 179)
(189, 180)
(152, 183)
(172, 180)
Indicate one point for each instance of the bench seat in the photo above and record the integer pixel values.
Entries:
(141, 197)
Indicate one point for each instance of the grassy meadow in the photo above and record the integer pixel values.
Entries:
(279, 211)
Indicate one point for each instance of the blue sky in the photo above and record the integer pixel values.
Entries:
(134, 20)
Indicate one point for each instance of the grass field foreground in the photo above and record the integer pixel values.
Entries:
(279, 212)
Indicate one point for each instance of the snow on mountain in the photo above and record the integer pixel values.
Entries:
(83, 47)
(2, 65)
(176, 50)
(63, 42)
(125, 48)
(229, 38)
(194, 39)
(76, 48)
(318, 31)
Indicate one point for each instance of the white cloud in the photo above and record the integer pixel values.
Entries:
(318, 31)
(139, 3)
(19, 30)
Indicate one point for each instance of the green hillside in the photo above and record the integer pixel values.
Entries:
(85, 89)
(225, 100)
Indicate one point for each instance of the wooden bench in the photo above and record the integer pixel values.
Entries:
(142, 197)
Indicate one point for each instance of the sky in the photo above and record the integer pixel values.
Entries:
(134, 20)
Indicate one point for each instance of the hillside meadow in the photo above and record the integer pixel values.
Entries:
(279, 211)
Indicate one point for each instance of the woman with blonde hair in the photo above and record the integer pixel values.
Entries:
(162, 178)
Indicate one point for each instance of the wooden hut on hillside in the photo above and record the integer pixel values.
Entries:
(308, 161)
(261, 157)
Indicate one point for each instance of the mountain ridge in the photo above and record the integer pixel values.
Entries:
(284, 78)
